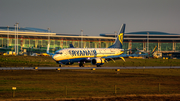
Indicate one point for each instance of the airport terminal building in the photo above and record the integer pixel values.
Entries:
(37, 39)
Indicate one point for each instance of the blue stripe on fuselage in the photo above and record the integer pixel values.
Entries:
(73, 60)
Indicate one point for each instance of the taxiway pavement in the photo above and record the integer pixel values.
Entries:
(51, 68)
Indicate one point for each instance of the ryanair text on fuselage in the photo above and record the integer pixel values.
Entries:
(82, 52)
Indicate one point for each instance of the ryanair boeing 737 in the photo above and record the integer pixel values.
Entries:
(97, 56)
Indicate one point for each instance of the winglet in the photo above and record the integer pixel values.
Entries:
(120, 38)
(123, 59)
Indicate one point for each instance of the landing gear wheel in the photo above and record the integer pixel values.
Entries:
(81, 64)
(98, 65)
(60, 65)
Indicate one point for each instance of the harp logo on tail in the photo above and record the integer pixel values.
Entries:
(121, 38)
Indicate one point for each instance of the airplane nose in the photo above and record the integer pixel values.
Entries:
(55, 57)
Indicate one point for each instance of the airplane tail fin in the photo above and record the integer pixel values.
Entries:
(119, 41)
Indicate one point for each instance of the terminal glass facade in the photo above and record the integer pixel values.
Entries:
(125, 45)
(87, 44)
(92, 44)
(103, 45)
(137, 45)
(178, 46)
(1, 43)
(152, 46)
(26, 43)
(44, 43)
(4, 42)
(62, 43)
(57, 43)
(32, 43)
(52, 44)
(12, 42)
(76, 44)
(39, 43)
(166, 46)
(98, 45)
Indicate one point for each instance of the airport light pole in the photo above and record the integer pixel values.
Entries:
(81, 38)
(8, 37)
(48, 39)
(17, 37)
(49, 35)
(115, 33)
(147, 41)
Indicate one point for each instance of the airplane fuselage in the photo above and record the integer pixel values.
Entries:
(82, 54)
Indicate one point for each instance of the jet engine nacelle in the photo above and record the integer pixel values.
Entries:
(97, 61)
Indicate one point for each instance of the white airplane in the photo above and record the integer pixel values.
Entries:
(97, 56)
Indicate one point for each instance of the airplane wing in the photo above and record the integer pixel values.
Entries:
(122, 56)
(115, 56)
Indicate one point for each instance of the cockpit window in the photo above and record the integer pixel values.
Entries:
(58, 53)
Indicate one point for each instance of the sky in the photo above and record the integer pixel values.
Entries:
(92, 16)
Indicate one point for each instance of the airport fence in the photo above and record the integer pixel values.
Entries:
(87, 91)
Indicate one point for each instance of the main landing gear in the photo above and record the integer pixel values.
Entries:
(81, 64)
(98, 65)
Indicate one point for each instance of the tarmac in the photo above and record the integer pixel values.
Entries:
(52, 68)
